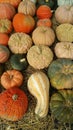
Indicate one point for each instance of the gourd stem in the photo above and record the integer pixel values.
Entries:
(22, 60)
(14, 97)
(46, 0)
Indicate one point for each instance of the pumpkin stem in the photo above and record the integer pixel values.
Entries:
(14, 97)
(46, 0)
(22, 60)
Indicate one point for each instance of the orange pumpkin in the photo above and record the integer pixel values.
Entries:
(7, 11)
(13, 104)
(44, 22)
(23, 23)
(43, 11)
(11, 78)
(4, 39)
(15, 3)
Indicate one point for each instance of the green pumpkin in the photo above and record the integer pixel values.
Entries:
(61, 106)
(64, 2)
(18, 62)
(50, 3)
(60, 73)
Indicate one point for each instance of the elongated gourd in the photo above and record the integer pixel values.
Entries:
(38, 86)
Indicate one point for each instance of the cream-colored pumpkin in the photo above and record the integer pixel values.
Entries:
(27, 7)
(64, 2)
(43, 35)
(19, 43)
(64, 50)
(64, 32)
(38, 86)
(64, 14)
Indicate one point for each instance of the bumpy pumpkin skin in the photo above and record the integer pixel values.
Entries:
(61, 106)
(60, 73)
(13, 104)
(65, 2)
(11, 78)
(44, 22)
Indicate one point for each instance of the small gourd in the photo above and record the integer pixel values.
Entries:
(38, 86)
(61, 105)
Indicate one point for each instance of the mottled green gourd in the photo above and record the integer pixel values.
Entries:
(61, 106)
(65, 2)
(60, 73)
(50, 3)
(18, 61)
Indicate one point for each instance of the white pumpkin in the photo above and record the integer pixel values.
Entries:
(64, 2)
(64, 50)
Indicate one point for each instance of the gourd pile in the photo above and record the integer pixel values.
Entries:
(27, 38)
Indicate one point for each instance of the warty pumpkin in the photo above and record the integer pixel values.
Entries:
(64, 2)
(43, 35)
(43, 11)
(19, 43)
(44, 22)
(6, 11)
(38, 86)
(64, 50)
(15, 3)
(64, 14)
(5, 26)
(60, 72)
(61, 106)
(13, 104)
(27, 7)
(11, 78)
(4, 54)
(23, 23)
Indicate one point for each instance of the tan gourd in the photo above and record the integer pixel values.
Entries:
(38, 86)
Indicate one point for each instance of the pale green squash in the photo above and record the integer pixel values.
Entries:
(64, 2)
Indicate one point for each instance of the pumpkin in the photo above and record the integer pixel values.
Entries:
(11, 78)
(44, 22)
(4, 39)
(49, 3)
(27, 7)
(64, 50)
(15, 3)
(13, 104)
(38, 86)
(5, 26)
(7, 11)
(61, 106)
(4, 54)
(43, 11)
(63, 14)
(64, 32)
(23, 23)
(19, 43)
(39, 56)
(64, 2)
(60, 72)
(43, 35)
(18, 62)
(34, 1)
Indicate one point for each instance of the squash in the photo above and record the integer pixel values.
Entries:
(15, 3)
(49, 3)
(34, 1)
(38, 86)
(18, 62)
(44, 22)
(4, 54)
(13, 104)
(19, 43)
(39, 56)
(11, 78)
(60, 72)
(27, 7)
(43, 35)
(27, 23)
(61, 105)
(5, 26)
(64, 50)
(63, 14)
(7, 11)
(64, 2)
(64, 32)
(43, 11)
(4, 39)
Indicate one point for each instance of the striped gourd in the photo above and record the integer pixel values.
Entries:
(38, 86)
